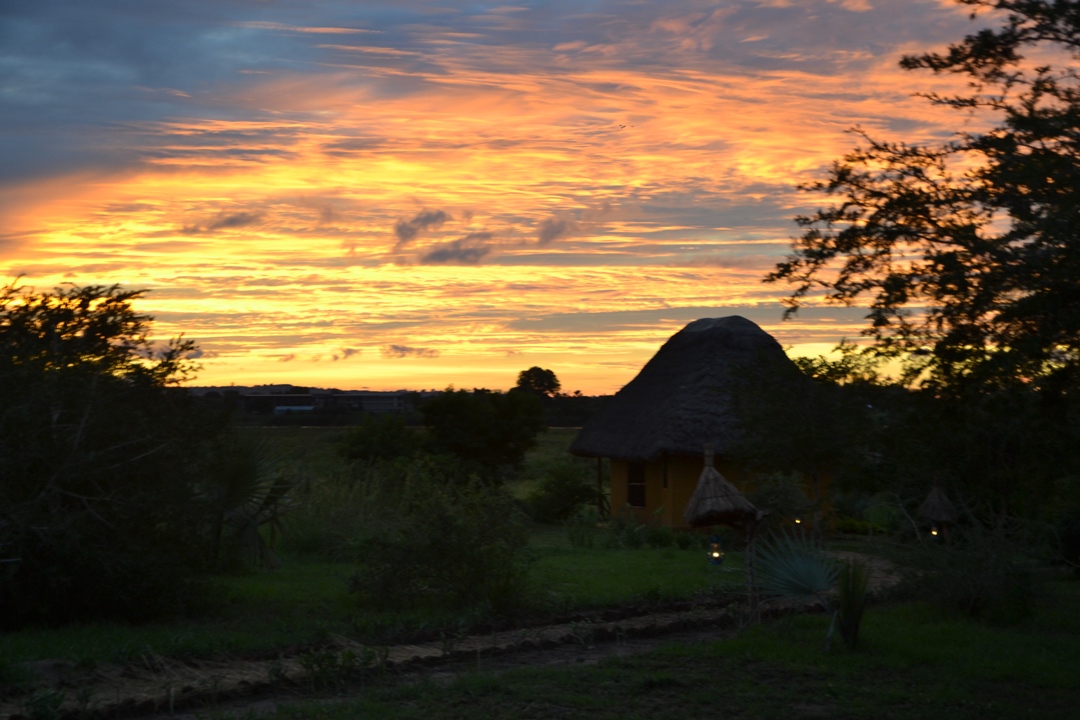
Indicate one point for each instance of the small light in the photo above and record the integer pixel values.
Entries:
(797, 521)
(933, 531)
(716, 551)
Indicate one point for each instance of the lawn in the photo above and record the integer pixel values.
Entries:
(307, 600)
(912, 664)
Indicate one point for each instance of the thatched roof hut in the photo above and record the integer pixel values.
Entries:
(681, 400)
(716, 501)
(937, 508)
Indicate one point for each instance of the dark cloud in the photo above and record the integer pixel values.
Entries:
(79, 76)
(553, 228)
(287, 358)
(610, 321)
(468, 250)
(224, 221)
(403, 351)
(344, 354)
(407, 230)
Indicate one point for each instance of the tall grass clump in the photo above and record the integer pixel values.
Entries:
(851, 600)
(335, 508)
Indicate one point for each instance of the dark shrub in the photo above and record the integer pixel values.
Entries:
(625, 532)
(485, 430)
(659, 536)
(565, 487)
(379, 437)
(446, 543)
(981, 575)
(101, 507)
(1070, 541)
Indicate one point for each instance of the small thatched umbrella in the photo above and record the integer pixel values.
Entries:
(717, 502)
(937, 509)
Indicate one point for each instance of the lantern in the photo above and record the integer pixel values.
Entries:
(934, 531)
(716, 551)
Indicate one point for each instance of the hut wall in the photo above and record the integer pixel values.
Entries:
(655, 493)
(665, 501)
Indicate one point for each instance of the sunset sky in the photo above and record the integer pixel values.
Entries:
(351, 194)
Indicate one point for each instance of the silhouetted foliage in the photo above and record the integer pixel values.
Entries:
(538, 381)
(247, 488)
(443, 542)
(485, 429)
(380, 437)
(967, 250)
(565, 487)
(100, 505)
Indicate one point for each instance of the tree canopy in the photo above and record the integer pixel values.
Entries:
(967, 251)
(100, 510)
(484, 428)
(538, 381)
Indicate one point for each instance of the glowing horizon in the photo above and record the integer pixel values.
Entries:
(357, 196)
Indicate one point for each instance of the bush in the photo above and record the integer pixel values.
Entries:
(980, 575)
(857, 527)
(486, 431)
(377, 438)
(782, 496)
(581, 528)
(659, 536)
(1069, 534)
(101, 502)
(625, 532)
(565, 487)
(688, 540)
(462, 545)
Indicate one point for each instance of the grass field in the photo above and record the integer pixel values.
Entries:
(912, 664)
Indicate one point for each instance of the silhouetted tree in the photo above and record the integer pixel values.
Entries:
(487, 429)
(538, 381)
(100, 505)
(968, 251)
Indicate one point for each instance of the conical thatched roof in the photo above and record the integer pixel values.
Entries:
(681, 399)
(717, 502)
(937, 508)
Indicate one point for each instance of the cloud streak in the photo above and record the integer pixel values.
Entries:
(404, 351)
(468, 250)
(407, 230)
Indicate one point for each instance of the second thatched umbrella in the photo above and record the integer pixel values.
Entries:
(717, 502)
(937, 509)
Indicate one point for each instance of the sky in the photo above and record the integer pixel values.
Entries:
(370, 195)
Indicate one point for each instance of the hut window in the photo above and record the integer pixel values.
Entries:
(635, 485)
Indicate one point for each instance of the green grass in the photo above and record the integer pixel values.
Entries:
(307, 599)
(911, 665)
(596, 576)
(299, 603)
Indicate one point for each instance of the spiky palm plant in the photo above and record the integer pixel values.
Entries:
(248, 488)
(792, 566)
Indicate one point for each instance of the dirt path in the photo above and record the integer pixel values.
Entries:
(158, 686)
